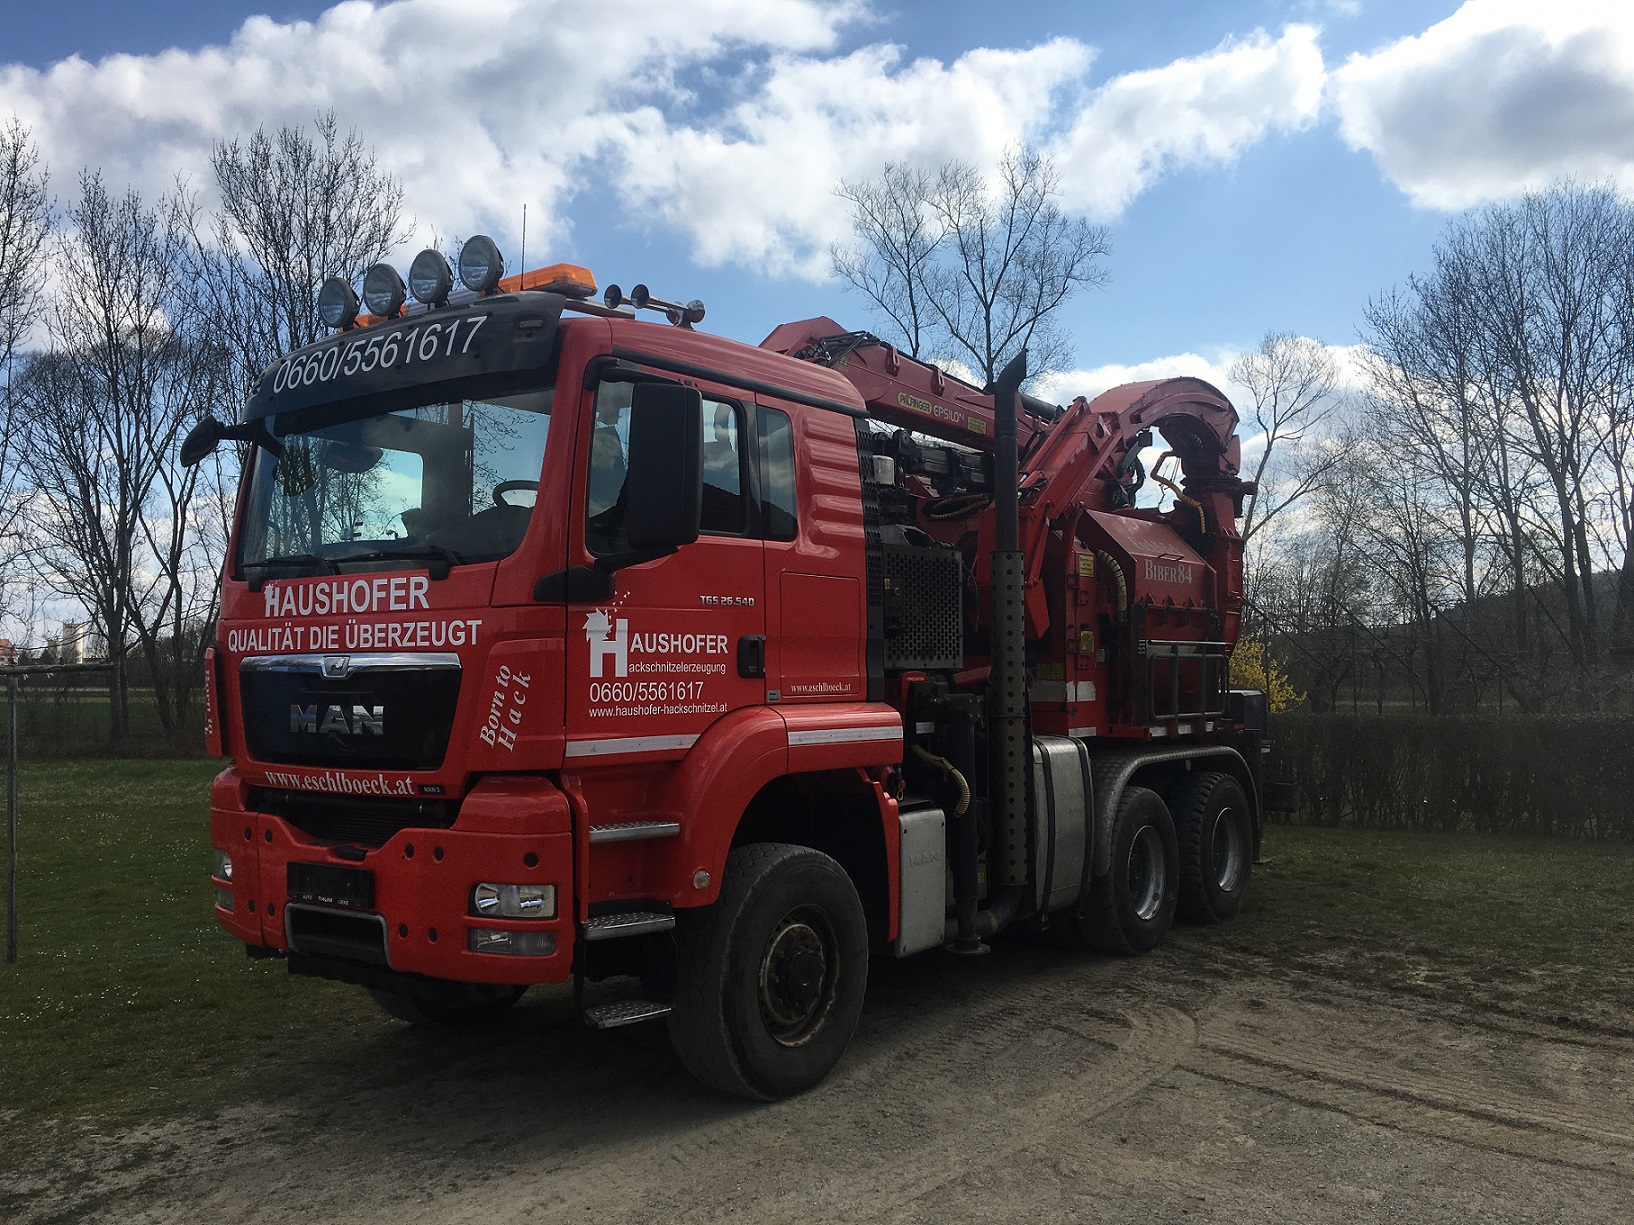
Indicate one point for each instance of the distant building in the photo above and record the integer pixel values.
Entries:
(72, 647)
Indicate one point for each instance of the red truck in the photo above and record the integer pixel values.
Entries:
(558, 644)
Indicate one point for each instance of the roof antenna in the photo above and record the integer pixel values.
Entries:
(523, 270)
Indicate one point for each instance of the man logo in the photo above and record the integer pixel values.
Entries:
(336, 667)
(335, 719)
(607, 637)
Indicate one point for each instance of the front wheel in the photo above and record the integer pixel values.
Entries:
(770, 979)
(1131, 908)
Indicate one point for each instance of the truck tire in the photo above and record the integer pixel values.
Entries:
(1130, 909)
(447, 1005)
(1216, 845)
(770, 979)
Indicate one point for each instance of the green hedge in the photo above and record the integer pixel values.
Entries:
(1560, 777)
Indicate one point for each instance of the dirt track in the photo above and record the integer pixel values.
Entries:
(1029, 1085)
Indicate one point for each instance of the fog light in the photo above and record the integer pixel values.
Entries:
(481, 264)
(383, 291)
(516, 944)
(337, 303)
(223, 869)
(224, 898)
(430, 278)
(514, 901)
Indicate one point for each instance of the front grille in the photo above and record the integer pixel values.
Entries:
(368, 712)
(356, 821)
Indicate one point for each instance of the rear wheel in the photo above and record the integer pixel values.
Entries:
(770, 979)
(440, 1005)
(1130, 909)
(1216, 845)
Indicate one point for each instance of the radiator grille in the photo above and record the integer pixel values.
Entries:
(354, 821)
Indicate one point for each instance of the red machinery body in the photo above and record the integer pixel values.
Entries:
(615, 726)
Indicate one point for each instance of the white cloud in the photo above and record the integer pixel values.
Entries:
(728, 121)
(1501, 97)
(757, 185)
(1205, 109)
(477, 105)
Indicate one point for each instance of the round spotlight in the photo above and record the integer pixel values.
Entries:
(337, 303)
(430, 278)
(614, 297)
(481, 264)
(383, 291)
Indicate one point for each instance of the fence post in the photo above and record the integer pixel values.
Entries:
(11, 821)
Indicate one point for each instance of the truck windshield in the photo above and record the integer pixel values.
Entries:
(445, 483)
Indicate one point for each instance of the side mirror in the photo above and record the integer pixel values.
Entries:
(664, 472)
(202, 439)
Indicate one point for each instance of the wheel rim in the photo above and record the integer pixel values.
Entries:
(1147, 866)
(1230, 851)
(799, 976)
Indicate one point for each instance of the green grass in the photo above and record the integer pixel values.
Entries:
(128, 1002)
(1525, 925)
(127, 998)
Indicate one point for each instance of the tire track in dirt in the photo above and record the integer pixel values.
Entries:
(1024, 1058)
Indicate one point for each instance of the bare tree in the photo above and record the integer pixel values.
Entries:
(106, 407)
(295, 208)
(25, 226)
(1292, 381)
(963, 268)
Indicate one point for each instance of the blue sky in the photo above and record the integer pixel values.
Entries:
(1262, 164)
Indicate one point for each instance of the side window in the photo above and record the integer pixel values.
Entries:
(723, 501)
(777, 475)
(725, 508)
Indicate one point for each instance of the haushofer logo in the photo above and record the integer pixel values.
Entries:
(607, 637)
(610, 638)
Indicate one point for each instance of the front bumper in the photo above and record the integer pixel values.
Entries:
(423, 879)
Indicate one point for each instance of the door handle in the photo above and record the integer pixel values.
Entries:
(752, 655)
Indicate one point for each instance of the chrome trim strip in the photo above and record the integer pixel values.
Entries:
(628, 744)
(392, 661)
(844, 735)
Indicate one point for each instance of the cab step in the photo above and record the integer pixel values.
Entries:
(624, 1012)
(631, 831)
(637, 923)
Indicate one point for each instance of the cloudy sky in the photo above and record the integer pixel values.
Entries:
(1261, 164)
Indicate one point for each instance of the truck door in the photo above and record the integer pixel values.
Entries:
(681, 640)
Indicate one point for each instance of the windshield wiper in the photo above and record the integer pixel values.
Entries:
(294, 559)
(431, 552)
(325, 564)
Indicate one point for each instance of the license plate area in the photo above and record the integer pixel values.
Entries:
(345, 934)
(327, 884)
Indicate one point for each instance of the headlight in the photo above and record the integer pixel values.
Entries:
(514, 901)
(481, 264)
(429, 277)
(517, 944)
(337, 303)
(383, 291)
(223, 869)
